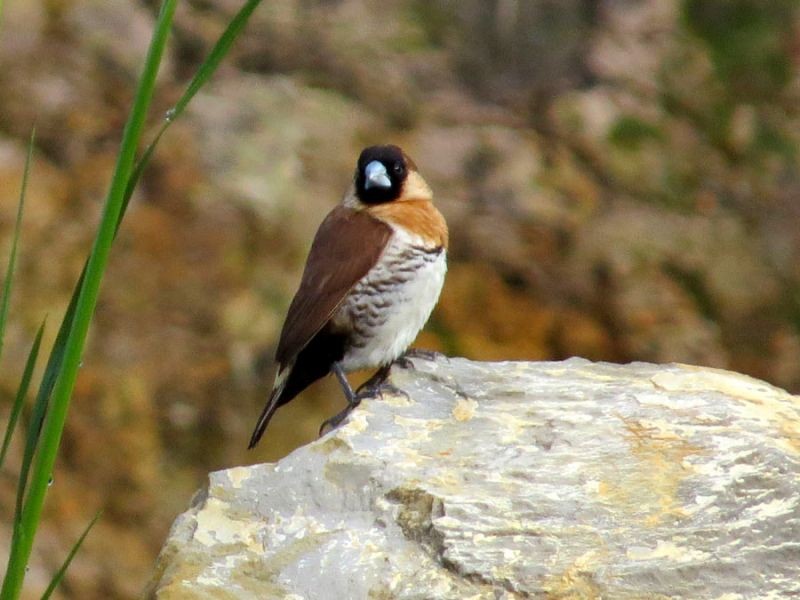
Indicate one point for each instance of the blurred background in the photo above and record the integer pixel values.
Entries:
(620, 178)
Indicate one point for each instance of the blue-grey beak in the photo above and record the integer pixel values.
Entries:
(376, 176)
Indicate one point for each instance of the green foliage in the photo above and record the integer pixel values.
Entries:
(60, 573)
(629, 132)
(5, 302)
(770, 139)
(55, 390)
(48, 440)
(22, 392)
(5, 299)
(750, 43)
(433, 18)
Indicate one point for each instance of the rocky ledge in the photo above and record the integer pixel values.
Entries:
(514, 480)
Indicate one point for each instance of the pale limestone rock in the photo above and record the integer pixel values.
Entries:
(512, 480)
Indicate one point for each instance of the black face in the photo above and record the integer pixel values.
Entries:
(380, 174)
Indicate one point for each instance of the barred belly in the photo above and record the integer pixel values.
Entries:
(389, 306)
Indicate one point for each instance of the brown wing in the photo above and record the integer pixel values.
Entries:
(347, 245)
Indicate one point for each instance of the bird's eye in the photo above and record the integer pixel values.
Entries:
(398, 168)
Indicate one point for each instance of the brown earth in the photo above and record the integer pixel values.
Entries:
(620, 179)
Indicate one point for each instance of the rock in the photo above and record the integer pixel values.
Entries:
(511, 480)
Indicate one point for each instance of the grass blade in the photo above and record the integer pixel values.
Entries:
(37, 416)
(60, 372)
(204, 73)
(22, 392)
(84, 308)
(12, 257)
(216, 55)
(42, 400)
(60, 573)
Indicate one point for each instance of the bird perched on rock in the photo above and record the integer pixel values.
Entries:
(372, 278)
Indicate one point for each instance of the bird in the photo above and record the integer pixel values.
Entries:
(371, 280)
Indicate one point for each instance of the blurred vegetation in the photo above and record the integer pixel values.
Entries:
(620, 179)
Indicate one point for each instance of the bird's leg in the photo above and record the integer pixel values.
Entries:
(353, 400)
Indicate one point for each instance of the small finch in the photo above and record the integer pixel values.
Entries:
(373, 275)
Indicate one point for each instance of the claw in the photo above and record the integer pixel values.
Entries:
(388, 389)
(377, 379)
(337, 419)
(405, 362)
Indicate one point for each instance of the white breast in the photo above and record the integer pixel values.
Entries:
(390, 305)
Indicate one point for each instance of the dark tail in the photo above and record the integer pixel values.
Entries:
(313, 362)
(266, 414)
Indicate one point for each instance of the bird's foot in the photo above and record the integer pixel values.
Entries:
(377, 385)
(383, 389)
(404, 361)
(378, 388)
(336, 420)
(376, 380)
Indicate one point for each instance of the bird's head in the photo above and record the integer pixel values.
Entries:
(386, 173)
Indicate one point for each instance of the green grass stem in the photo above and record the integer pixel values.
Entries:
(60, 573)
(61, 370)
(22, 392)
(57, 411)
(203, 74)
(5, 299)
